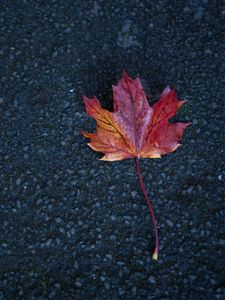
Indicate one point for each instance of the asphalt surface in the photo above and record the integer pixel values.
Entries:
(73, 227)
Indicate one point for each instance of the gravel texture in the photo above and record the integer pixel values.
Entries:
(73, 227)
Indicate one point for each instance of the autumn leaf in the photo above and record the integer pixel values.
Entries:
(135, 129)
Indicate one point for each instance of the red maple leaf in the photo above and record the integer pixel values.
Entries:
(135, 129)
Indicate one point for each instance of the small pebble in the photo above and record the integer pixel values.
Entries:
(169, 223)
(151, 279)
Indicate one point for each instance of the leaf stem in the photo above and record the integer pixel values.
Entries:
(156, 251)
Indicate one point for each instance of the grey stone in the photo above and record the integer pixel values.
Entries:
(169, 223)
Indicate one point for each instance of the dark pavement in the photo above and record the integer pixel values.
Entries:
(74, 227)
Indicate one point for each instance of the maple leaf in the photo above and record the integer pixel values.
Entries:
(135, 129)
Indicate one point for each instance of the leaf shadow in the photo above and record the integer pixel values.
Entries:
(108, 71)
